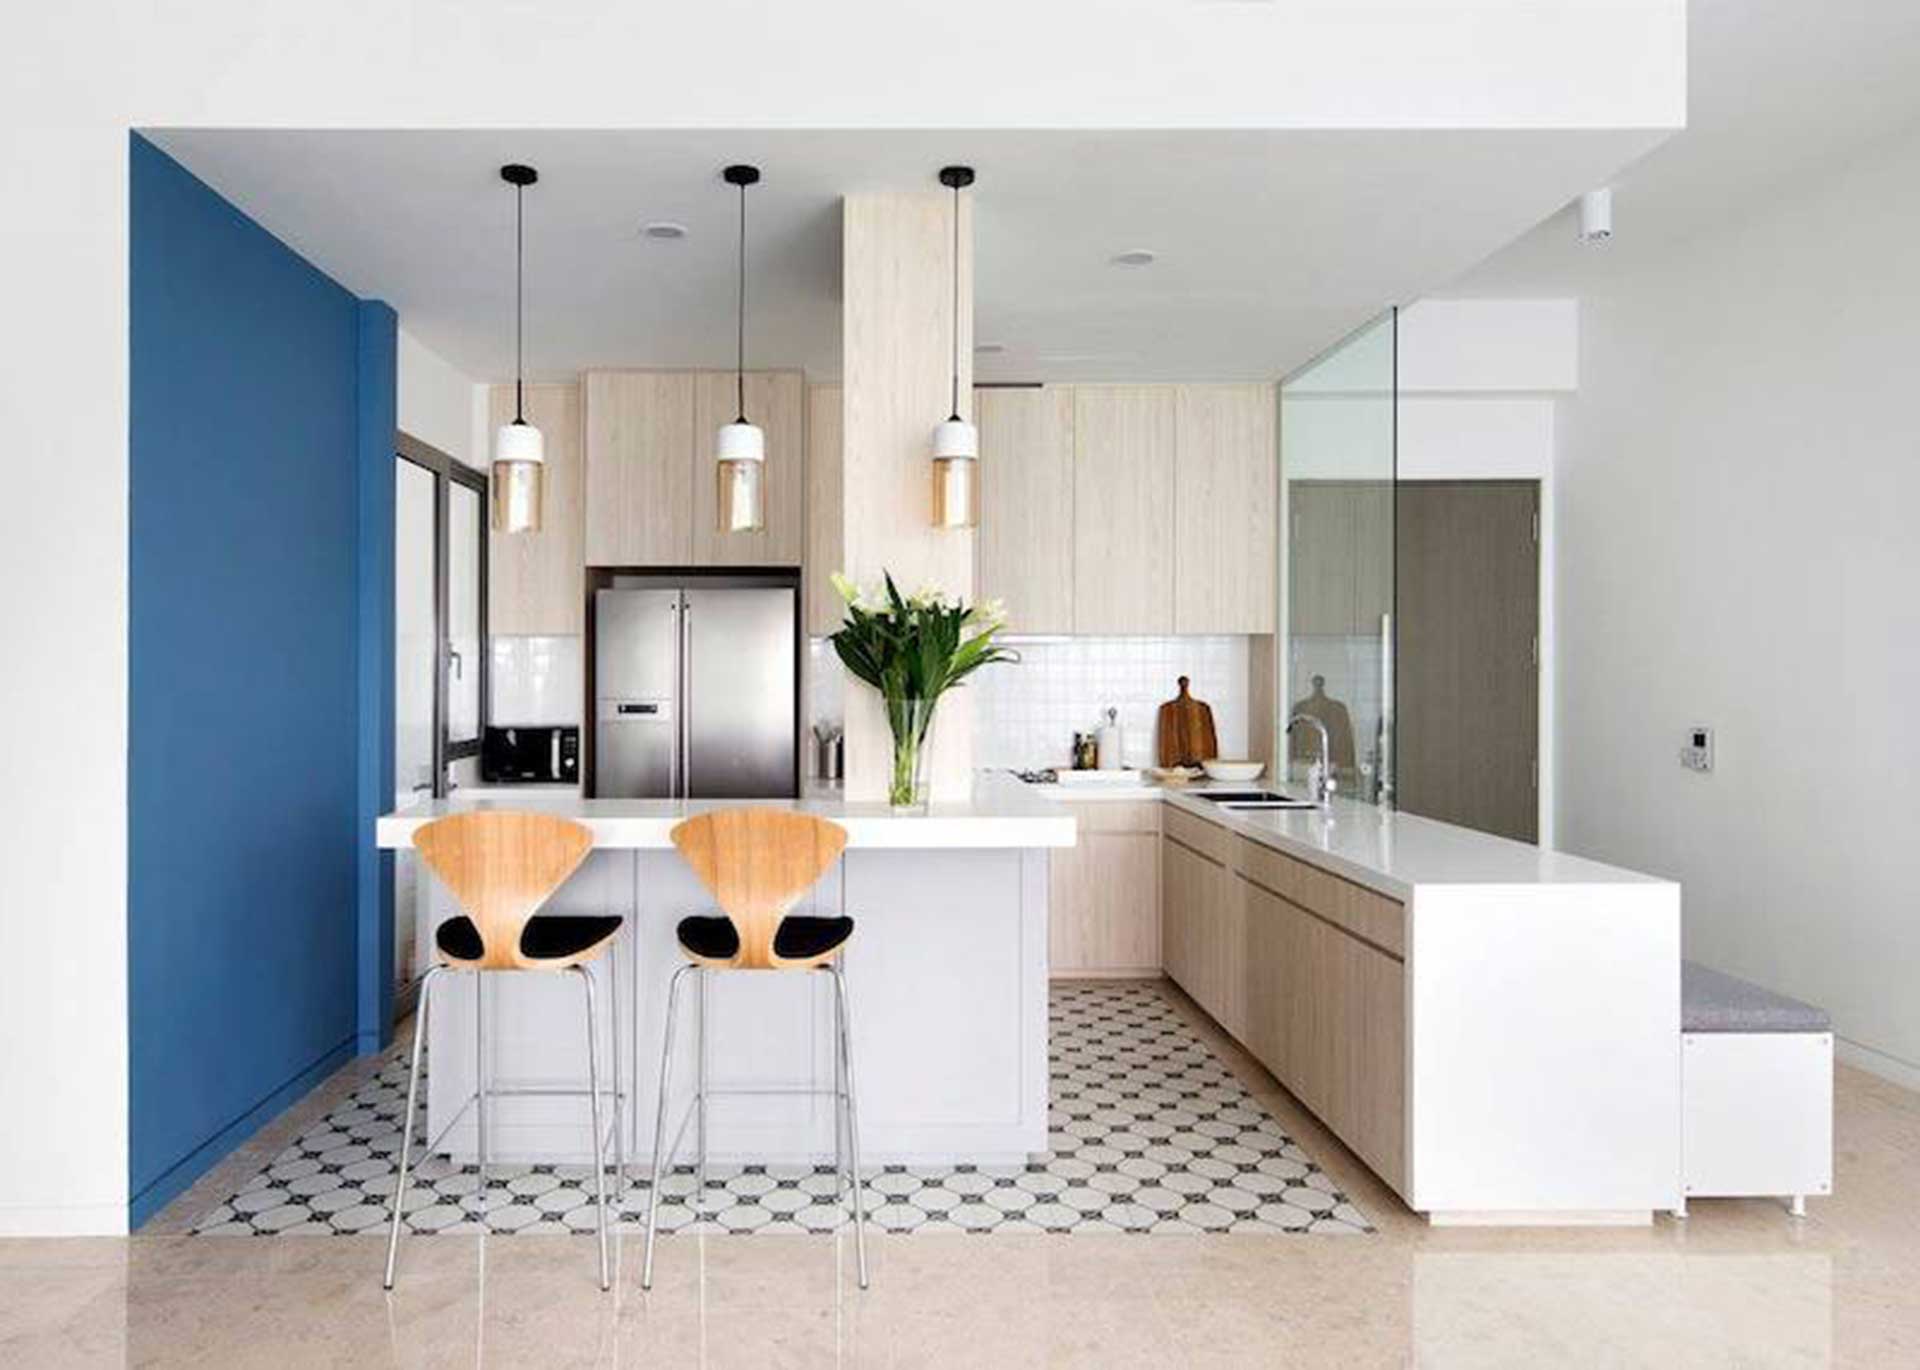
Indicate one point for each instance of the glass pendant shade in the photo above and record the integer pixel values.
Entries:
(740, 464)
(519, 478)
(956, 492)
(519, 490)
(742, 489)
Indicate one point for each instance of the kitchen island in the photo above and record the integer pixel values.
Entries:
(947, 974)
(1492, 1027)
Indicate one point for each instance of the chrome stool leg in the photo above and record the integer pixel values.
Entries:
(480, 1090)
(700, 1098)
(619, 1098)
(593, 1096)
(406, 1120)
(660, 1147)
(845, 1016)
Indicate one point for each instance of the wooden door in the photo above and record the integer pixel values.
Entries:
(534, 580)
(1025, 552)
(1122, 509)
(1225, 467)
(1468, 691)
(776, 400)
(639, 427)
(1321, 594)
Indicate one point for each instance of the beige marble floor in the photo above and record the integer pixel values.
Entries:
(1740, 1284)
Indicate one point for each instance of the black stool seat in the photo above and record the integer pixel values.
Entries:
(799, 937)
(546, 937)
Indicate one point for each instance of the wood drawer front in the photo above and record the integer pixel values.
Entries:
(1116, 815)
(1209, 839)
(1366, 914)
(1327, 1015)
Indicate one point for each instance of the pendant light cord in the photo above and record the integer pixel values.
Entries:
(519, 301)
(956, 302)
(740, 337)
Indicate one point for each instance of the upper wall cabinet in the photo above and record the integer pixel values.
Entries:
(825, 510)
(651, 481)
(534, 583)
(776, 400)
(1123, 495)
(1225, 469)
(1025, 553)
(640, 436)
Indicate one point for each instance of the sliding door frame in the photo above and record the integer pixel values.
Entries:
(447, 473)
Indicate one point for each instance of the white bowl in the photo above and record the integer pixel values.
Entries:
(1236, 771)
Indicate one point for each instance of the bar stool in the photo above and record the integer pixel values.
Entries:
(757, 862)
(502, 866)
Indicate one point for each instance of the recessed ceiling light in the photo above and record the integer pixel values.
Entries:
(664, 230)
(1134, 256)
(989, 348)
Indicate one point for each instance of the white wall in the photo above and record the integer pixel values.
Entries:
(75, 78)
(1738, 503)
(437, 401)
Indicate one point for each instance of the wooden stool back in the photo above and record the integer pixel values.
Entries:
(502, 865)
(757, 863)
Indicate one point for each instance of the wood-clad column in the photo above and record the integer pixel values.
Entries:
(897, 336)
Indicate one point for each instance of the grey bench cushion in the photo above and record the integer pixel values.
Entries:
(1713, 1001)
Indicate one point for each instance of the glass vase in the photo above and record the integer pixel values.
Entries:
(911, 723)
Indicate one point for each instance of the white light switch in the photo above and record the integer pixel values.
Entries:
(1697, 752)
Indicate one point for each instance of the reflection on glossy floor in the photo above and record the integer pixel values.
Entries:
(1740, 1284)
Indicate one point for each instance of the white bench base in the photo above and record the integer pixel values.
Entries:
(1757, 1111)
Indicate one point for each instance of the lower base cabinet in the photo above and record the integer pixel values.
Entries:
(1329, 1020)
(1307, 990)
(1103, 895)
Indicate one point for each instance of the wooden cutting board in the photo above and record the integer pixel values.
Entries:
(1186, 730)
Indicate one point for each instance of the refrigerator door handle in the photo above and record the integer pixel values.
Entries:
(683, 777)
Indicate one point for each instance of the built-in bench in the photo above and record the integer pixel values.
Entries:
(1757, 1091)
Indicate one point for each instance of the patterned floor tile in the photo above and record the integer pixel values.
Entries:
(1149, 1132)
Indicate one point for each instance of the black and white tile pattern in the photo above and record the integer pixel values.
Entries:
(1149, 1131)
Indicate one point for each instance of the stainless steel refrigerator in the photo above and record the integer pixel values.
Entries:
(696, 689)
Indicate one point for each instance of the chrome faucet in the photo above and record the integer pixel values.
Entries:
(1320, 777)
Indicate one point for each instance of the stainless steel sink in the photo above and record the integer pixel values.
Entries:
(1247, 800)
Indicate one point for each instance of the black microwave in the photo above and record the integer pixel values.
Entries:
(530, 756)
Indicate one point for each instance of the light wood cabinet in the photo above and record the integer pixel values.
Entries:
(535, 581)
(1103, 895)
(1025, 553)
(1225, 470)
(1123, 509)
(1204, 942)
(776, 400)
(1330, 1023)
(651, 488)
(825, 511)
(640, 434)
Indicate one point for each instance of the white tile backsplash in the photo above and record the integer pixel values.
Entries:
(1026, 715)
(537, 680)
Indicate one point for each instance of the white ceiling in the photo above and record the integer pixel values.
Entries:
(1776, 90)
(1270, 244)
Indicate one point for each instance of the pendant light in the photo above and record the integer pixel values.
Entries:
(519, 451)
(956, 445)
(740, 451)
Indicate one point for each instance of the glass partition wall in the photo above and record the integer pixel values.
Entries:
(1338, 453)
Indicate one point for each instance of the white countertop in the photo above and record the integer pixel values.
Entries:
(1387, 851)
(1001, 813)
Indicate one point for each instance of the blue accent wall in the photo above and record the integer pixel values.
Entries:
(250, 403)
